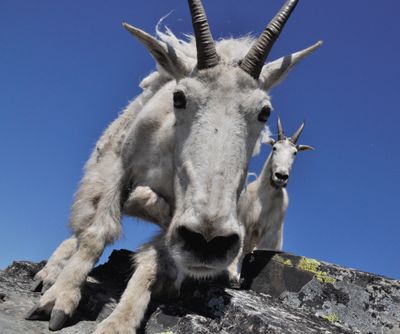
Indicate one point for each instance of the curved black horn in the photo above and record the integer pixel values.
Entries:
(281, 135)
(206, 53)
(255, 58)
(297, 134)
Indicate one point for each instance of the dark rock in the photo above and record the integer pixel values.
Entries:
(280, 293)
(358, 300)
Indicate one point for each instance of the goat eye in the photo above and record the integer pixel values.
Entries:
(295, 153)
(274, 148)
(264, 114)
(179, 100)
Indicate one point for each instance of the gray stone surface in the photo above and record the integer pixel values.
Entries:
(360, 301)
(99, 296)
(280, 293)
(218, 310)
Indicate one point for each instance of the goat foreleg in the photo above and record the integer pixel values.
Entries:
(61, 299)
(144, 203)
(129, 312)
(46, 277)
(273, 236)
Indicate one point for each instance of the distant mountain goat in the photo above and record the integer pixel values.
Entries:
(177, 156)
(262, 207)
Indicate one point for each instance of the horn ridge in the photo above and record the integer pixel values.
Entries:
(281, 135)
(295, 137)
(206, 52)
(255, 58)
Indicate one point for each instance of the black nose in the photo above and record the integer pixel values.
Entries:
(281, 176)
(216, 248)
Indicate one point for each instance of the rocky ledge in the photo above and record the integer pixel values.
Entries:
(278, 293)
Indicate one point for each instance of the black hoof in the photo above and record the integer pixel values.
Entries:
(38, 313)
(57, 320)
(37, 287)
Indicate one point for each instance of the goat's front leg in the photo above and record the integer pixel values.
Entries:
(273, 238)
(144, 203)
(61, 300)
(234, 270)
(46, 277)
(129, 312)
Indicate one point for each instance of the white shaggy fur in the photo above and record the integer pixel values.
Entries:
(181, 169)
(263, 205)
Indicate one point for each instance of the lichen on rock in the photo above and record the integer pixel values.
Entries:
(312, 266)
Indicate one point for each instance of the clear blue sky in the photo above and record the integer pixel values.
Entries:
(67, 68)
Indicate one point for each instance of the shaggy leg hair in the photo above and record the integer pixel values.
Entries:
(95, 223)
(144, 203)
(49, 274)
(132, 306)
(95, 220)
(156, 275)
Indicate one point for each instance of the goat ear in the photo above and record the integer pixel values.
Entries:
(165, 55)
(274, 72)
(304, 148)
(270, 141)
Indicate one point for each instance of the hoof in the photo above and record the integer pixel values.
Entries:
(37, 286)
(234, 281)
(57, 320)
(38, 313)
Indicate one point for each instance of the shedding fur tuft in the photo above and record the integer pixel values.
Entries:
(265, 135)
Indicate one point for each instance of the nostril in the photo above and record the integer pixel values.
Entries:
(217, 247)
(281, 176)
(191, 240)
(220, 245)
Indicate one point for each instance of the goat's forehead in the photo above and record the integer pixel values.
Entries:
(224, 75)
(226, 80)
(285, 144)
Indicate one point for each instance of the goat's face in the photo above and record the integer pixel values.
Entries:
(282, 157)
(220, 113)
(220, 107)
(284, 150)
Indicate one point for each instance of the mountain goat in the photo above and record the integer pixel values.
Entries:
(262, 207)
(177, 156)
